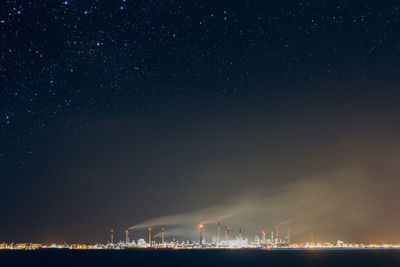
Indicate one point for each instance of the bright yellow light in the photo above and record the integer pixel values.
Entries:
(201, 225)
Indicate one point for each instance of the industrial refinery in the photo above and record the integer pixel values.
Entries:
(216, 236)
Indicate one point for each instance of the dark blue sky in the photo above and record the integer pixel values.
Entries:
(106, 103)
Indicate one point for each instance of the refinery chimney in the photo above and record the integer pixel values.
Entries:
(112, 236)
(201, 233)
(162, 235)
(277, 234)
(263, 241)
(218, 232)
(149, 229)
(127, 236)
(226, 233)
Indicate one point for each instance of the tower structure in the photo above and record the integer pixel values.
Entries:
(226, 233)
(149, 230)
(162, 235)
(127, 236)
(201, 226)
(112, 236)
(263, 240)
(277, 234)
(218, 232)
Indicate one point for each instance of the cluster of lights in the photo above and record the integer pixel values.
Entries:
(231, 244)
(215, 243)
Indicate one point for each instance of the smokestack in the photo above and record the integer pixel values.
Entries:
(226, 233)
(288, 237)
(218, 232)
(240, 233)
(112, 236)
(277, 234)
(149, 229)
(263, 237)
(162, 235)
(201, 234)
(127, 236)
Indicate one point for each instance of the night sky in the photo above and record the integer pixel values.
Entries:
(135, 112)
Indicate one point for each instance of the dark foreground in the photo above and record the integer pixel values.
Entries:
(346, 258)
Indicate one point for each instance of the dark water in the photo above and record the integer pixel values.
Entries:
(210, 258)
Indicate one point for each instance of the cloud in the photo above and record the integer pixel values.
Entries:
(327, 204)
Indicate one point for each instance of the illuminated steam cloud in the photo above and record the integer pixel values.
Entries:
(309, 204)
